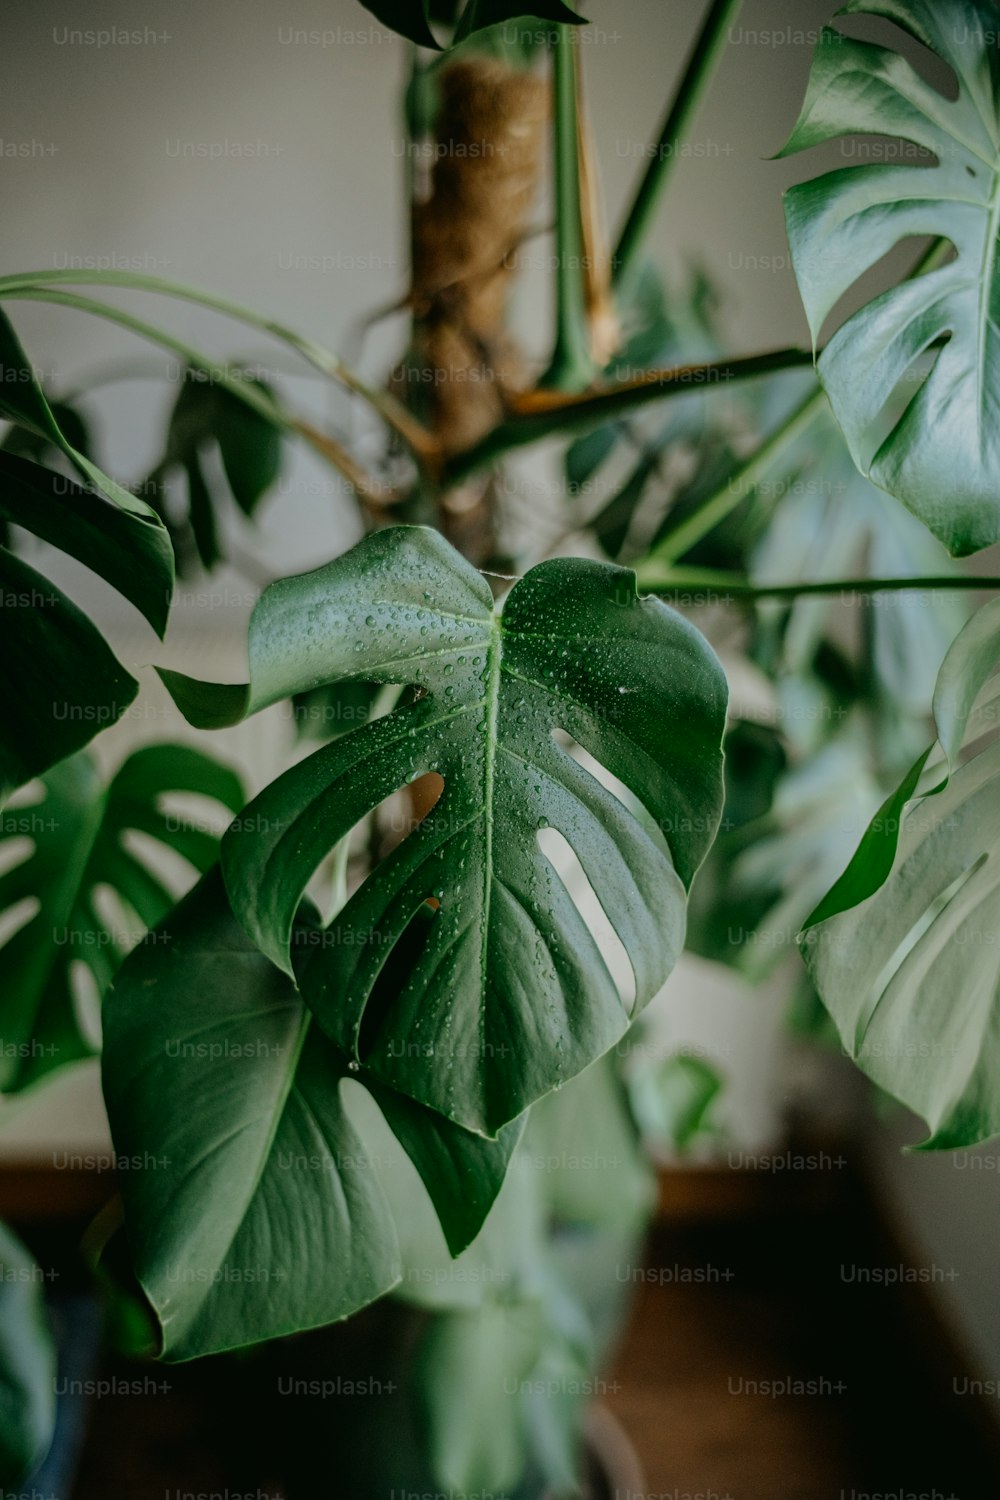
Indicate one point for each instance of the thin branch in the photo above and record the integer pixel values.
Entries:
(367, 488)
(540, 414)
(396, 416)
(697, 75)
(571, 367)
(723, 588)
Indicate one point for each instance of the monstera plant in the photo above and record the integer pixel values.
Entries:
(346, 1032)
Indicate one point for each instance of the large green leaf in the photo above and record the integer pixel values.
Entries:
(60, 682)
(59, 679)
(508, 995)
(903, 949)
(23, 402)
(128, 550)
(941, 453)
(79, 838)
(411, 18)
(27, 1364)
(257, 1210)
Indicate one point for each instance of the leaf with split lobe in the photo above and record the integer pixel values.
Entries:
(507, 996)
(941, 455)
(23, 402)
(257, 1209)
(58, 676)
(80, 837)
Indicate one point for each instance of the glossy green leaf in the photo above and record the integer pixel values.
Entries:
(27, 1364)
(258, 1210)
(508, 969)
(940, 454)
(80, 843)
(903, 949)
(59, 679)
(41, 450)
(23, 402)
(128, 550)
(56, 667)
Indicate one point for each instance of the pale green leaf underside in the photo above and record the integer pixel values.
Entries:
(904, 949)
(941, 456)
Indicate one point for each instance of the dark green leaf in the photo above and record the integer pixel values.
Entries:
(41, 450)
(259, 1212)
(407, 17)
(59, 681)
(129, 551)
(508, 968)
(79, 837)
(941, 455)
(23, 402)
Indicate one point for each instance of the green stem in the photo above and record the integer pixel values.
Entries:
(324, 360)
(571, 367)
(682, 537)
(697, 75)
(726, 587)
(578, 413)
(243, 390)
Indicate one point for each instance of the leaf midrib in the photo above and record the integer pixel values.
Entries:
(492, 704)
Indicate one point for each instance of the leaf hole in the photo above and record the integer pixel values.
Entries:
(17, 916)
(164, 864)
(15, 851)
(934, 71)
(566, 863)
(631, 804)
(881, 276)
(86, 999)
